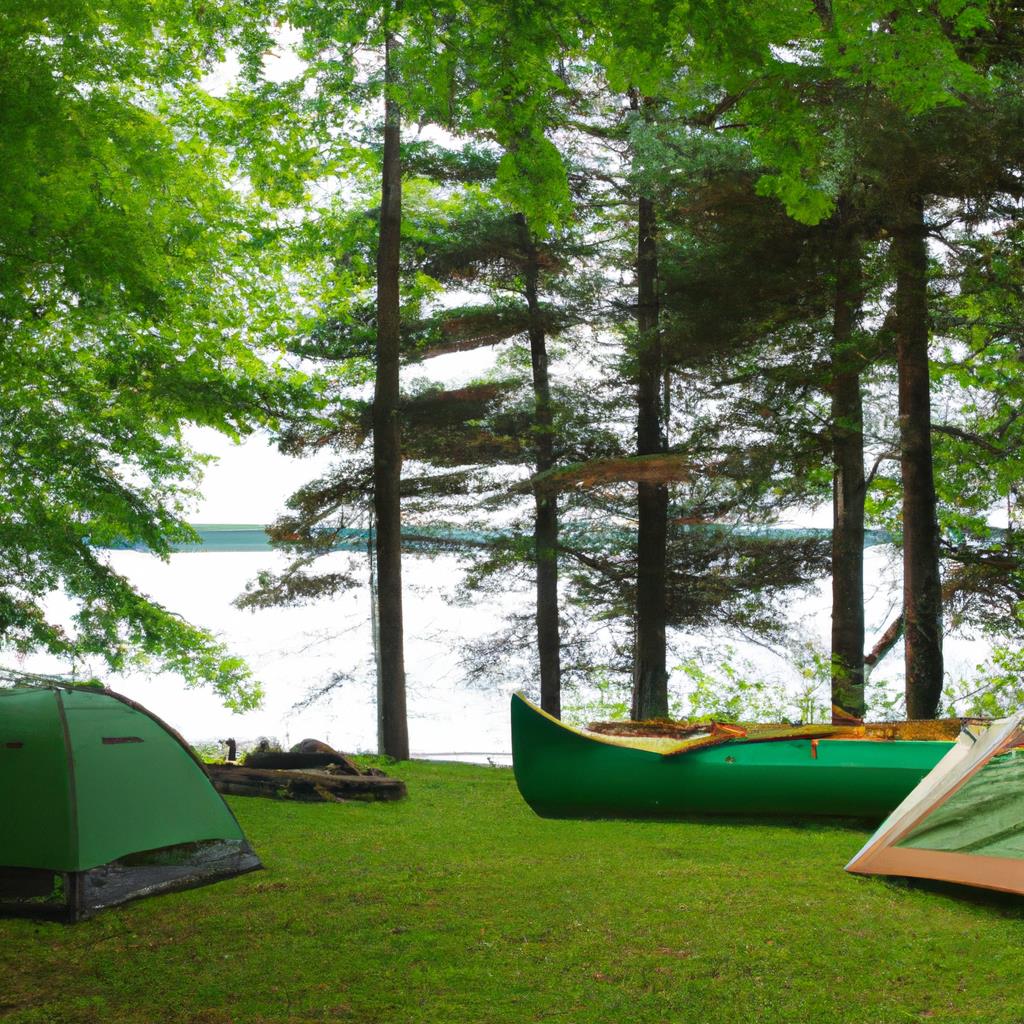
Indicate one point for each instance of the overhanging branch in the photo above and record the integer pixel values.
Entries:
(661, 468)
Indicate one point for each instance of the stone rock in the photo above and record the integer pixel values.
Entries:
(313, 747)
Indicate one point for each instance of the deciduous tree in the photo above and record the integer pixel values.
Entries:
(134, 298)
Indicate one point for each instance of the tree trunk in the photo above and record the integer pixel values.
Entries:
(922, 587)
(847, 483)
(650, 676)
(299, 785)
(545, 523)
(392, 726)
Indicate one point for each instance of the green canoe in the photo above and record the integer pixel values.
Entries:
(564, 772)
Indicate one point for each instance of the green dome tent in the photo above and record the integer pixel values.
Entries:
(101, 802)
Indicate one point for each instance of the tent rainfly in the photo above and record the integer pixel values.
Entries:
(964, 822)
(101, 802)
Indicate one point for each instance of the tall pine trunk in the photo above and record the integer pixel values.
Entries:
(545, 523)
(392, 724)
(922, 586)
(847, 482)
(650, 676)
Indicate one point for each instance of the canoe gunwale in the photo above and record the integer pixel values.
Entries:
(721, 734)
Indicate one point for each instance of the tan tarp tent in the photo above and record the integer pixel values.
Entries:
(964, 822)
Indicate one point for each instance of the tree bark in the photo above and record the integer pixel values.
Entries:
(922, 587)
(847, 482)
(392, 725)
(545, 523)
(650, 676)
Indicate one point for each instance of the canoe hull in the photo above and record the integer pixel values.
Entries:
(563, 774)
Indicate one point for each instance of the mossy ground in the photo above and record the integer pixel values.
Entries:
(460, 905)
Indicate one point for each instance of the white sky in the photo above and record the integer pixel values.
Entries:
(250, 481)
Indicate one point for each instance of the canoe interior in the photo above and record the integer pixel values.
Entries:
(564, 773)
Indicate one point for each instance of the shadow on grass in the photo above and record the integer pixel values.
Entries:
(822, 824)
(1007, 904)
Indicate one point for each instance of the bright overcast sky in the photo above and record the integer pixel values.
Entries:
(250, 482)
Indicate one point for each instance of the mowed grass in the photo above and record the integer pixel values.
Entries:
(460, 905)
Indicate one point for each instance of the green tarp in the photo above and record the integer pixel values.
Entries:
(985, 816)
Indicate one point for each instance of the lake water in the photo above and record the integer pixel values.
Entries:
(296, 650)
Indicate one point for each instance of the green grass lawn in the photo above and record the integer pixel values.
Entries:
(460, 905)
